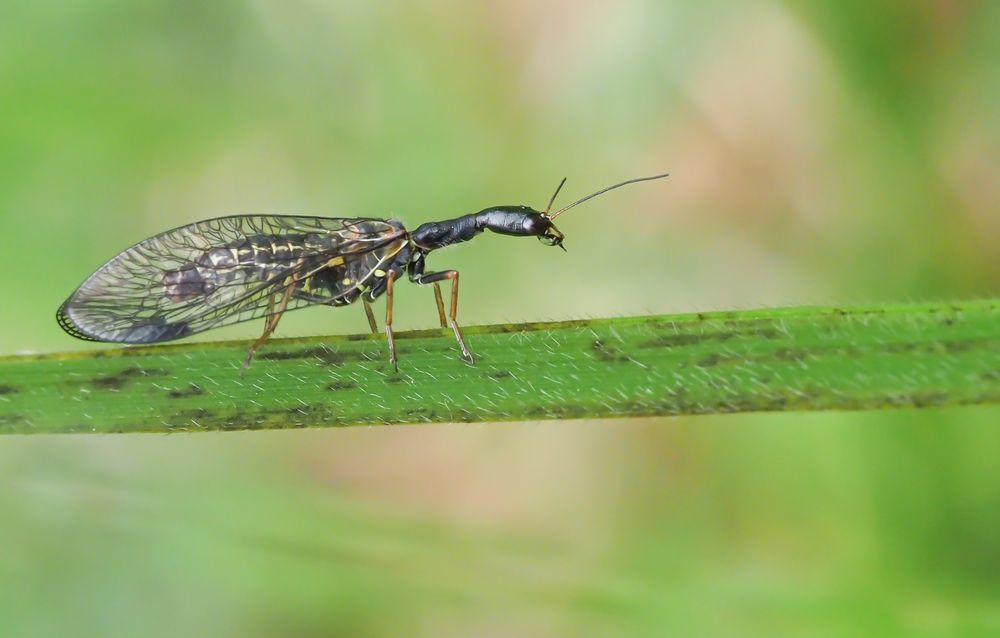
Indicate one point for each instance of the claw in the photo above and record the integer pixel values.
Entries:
(466, 353)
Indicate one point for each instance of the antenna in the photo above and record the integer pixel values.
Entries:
(600, 192)
(553, 200)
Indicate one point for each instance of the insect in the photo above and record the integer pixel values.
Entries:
(227, 270)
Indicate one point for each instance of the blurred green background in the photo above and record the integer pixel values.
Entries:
(820, 153)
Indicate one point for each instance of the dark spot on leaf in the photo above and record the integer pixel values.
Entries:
(119, 380)
(11, 419)
(917, 399)
(297, 417)
(197, 413)
(928, 399)
(953, 347)
(712, 360)
(606, 353)
(136, 371)
(320, 353)
(109, 383)
(7, 389)
(341, 385)
(422, 414)
(192, 390)
(756, 329)
(500, 374)
(901, 347)
(790, 354)
(671, 341)
(539, 325)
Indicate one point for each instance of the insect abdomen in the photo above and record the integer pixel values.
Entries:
(259, 257)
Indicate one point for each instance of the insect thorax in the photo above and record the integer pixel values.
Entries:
(342, 282)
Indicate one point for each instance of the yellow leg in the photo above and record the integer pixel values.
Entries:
(273, 317)
(453, 315)
(440, 305)
(371, 317)
(390, 281)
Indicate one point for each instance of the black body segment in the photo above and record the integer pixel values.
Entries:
(518, 221)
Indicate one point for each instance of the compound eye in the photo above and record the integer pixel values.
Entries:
(536, 225)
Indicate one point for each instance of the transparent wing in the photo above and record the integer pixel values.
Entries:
(223, 271)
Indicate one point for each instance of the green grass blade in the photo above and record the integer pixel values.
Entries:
(788, 359)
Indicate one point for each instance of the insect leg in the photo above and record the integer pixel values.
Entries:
(273, 317)
(389, 281)
(269, 326)
(440, 305)
(371, 317)
(433, 278)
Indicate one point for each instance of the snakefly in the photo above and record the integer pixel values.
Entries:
(223, 271)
